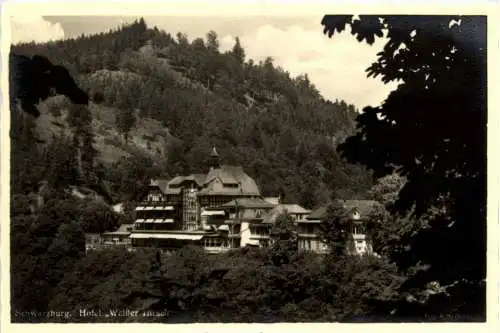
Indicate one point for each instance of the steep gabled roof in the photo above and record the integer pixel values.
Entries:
(230, 175)
(364, 207)
(284, 208)
(173, 186)
(318, 213)
(226, 174)
(199, 178)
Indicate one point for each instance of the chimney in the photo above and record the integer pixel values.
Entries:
(281, 196)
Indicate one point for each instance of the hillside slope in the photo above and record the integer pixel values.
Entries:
(163, 102)
(147, 136)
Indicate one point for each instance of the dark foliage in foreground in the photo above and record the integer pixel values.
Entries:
(432, 131)
(36, 79)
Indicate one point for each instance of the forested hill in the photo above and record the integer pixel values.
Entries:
(161, 102)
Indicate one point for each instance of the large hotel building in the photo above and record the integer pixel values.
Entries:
(221, 210)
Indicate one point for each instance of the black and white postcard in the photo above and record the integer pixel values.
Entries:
(248, 164)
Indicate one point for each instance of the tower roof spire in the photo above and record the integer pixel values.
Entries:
(214, 152)
(214, 159)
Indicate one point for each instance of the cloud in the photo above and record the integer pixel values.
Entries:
(27, 28)
(336, 66)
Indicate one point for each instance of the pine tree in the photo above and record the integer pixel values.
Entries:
(125, 121)
(238, 52)
(213, 43)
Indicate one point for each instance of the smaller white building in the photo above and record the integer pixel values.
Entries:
(358, 213)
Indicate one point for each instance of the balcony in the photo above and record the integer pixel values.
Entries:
(147, 206)
(308, 235)
(106, 246)
(308, 231)
(360, 237)
(259, 236)
(216, 250)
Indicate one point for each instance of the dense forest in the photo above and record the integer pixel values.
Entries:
(159, 103)
(194, 97)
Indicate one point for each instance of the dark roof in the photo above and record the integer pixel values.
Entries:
(199, 178)
(364, 207)
(318, 213)
(226, 174)
(248, 203)
(166, 185)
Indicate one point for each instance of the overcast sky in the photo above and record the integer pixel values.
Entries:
(336, 66)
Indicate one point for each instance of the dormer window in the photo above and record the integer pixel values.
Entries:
(355, 214)
(154, 196)
(258, 213)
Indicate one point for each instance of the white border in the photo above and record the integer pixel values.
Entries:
(274, 8)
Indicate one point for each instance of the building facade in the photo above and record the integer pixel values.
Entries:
(357, 212)
(194, 209)
(247, 222)
(222, 210)
(114, 239)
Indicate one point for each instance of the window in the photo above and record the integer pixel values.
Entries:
(213, 242)
(258, 213)
(154, 196)
(259, 231)
(306, 228)
(264, 243)
(236, 228)
(357, 230)
(190, 226)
